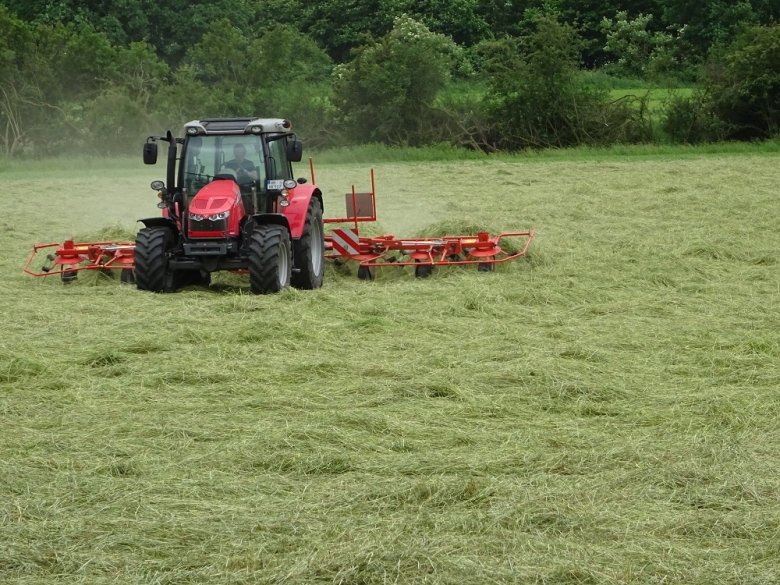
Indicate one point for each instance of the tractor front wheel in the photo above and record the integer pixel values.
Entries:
(309, 250)
(270, 259)
(151, 260)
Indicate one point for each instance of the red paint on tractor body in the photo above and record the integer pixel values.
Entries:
(210, 205)
(298, 199)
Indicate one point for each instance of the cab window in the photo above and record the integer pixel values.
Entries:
(279, 166)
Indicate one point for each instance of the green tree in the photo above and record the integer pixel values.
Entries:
(293, 80)
(172, 27)
(16, 88)
(640, 51)
(536, 98)
(457, 19)
(341, 25)
(744, 84)
(65, 86)
(282, 73)
(740, 97)
(386, 93)
(706, 24)
(127, 109)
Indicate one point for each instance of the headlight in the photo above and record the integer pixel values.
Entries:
(290, 184)
(192, 130)
(158, 185)
(197, 217)
(219, 216)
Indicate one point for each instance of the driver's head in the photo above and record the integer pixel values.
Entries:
(239, 151)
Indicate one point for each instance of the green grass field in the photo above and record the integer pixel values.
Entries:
(657, 98)
(606, 411)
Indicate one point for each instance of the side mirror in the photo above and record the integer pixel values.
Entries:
(150, 153)
(294, 150)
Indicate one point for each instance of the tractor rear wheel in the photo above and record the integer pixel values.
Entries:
(270, 259)
(151, 260)
(309, 250)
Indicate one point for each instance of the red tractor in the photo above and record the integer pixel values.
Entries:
(232, 203)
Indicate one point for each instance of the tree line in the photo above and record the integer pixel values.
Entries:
(490, 74)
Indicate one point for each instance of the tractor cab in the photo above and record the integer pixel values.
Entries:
(256, 161)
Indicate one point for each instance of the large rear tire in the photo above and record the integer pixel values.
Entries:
(309, 250)
(270, 259)
(151, 260)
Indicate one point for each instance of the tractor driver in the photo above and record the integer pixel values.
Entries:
(245, 169)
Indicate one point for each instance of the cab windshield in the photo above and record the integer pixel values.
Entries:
(238, 157)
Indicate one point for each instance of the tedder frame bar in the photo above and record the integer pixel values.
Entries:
(343, 244)
(70, 257)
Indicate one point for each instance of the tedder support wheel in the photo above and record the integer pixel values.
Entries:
(423, 270)
(151, 260)
(69, 276)
(309, 250)
(365, 273)
(127, 276)
(270, 259)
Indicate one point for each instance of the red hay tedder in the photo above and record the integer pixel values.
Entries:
(247, 213)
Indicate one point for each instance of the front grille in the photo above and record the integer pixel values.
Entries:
(207, 225)
(216, 248)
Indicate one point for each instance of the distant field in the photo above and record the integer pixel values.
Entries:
(604, 412)
(657, 98)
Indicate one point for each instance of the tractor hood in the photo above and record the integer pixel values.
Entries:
(216, 197)
(216, 211)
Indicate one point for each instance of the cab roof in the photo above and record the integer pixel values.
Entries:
(237, 126)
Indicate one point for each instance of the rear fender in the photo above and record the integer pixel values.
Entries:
(295, 212)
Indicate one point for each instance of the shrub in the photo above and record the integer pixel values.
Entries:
(537, 97)
(386, 93)
(740, 98)
(281, 74)
(691, 120)
(745, 84)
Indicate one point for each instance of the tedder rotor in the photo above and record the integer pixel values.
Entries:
(230, 202)
(345, 243)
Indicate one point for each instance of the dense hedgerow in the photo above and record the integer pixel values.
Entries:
(74, 79)
(740, 97)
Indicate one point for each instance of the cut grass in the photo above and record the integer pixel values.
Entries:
(604, 412)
